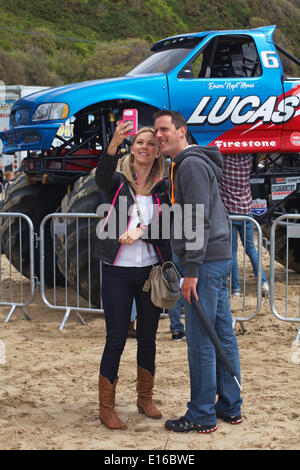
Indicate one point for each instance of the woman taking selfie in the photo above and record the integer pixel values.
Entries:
(127, 259)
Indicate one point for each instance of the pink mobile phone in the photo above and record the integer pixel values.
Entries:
(132, 116)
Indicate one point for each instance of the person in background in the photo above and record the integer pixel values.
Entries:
(128, 258)
(20, 170)
(131, 329)
(9, 177)
(206, 268)
(236, 195)
(176, 325)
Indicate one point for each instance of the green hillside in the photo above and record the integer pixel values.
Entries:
(51, 42)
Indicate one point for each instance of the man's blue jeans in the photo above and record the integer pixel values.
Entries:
(246, 230)
(208, 375)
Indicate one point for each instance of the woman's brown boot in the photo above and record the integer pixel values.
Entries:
(144, 387)
(107, 414)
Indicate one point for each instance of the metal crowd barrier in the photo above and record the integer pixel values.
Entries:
(285, 221)
(68, 297)
(73, 284)
(15, 290)
(72, 295)
(247, 311)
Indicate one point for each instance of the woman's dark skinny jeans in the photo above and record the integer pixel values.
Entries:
(120, 285)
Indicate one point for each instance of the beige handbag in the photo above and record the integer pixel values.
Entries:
(163, 280)
(164, 284)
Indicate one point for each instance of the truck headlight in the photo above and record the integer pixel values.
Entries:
(48, 111)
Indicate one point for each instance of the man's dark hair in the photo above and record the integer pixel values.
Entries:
(177, 119)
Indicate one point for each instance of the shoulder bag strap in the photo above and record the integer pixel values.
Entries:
(139, 213)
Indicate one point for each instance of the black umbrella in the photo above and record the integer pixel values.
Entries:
(211, 332)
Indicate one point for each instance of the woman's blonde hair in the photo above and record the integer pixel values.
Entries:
(126, 166)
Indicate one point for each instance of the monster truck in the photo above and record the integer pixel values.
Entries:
(231, 87)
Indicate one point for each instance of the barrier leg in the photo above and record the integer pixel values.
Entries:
(244, 329)
(65, 319)
(81, 319)
(241, 323)
(13, 308)
(26, 314)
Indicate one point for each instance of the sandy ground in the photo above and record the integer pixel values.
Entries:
(48, 394)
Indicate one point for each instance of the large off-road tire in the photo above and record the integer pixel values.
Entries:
(280, 248)
(285, 163)
(75, 249)
(36, 201)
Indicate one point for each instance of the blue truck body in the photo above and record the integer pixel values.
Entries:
(255, 111)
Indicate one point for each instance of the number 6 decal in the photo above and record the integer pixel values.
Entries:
(270, 59)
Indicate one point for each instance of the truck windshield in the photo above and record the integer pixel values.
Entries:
(167, 54)
(162, 61)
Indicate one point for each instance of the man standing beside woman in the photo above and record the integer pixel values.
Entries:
(193, 179)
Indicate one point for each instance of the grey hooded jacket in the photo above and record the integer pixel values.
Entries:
(205, 226)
